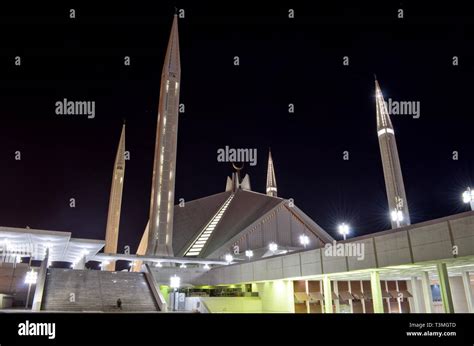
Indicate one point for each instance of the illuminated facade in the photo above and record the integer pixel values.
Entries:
(241, 250)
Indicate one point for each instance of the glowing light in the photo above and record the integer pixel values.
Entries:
(468, 195)
(198, 245)
(304, 240)
(272, 247)
(249, 253)
(229, 258)
(31, 277)
(206, 266)
(397, 215)
(344, 230)
(182, 265)
(175, 281)
(385, 130)
(158, 265)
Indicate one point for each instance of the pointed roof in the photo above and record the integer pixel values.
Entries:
(192, 217)
(383, 118)
(172, 62)
(271, 180)
(120, 157)
(246, 209)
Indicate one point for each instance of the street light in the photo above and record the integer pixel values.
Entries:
(175, 282)
(344, 230)
(249, 254)
(397, 216)
(304, 240)
(468, 197)
(30, 279)
(273, 247)
(229, 258)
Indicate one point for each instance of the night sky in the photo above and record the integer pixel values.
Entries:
(282, 61)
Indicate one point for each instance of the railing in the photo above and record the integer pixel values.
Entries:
(160, 300)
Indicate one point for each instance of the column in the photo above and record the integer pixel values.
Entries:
(306, 286)
(350, 300)
(445, 288)
(416, 306)
(468, 290)
(327, 295)
(427, 295)
(376, 292)
(336, 301)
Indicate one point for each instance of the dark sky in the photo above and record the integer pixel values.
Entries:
(282, 61)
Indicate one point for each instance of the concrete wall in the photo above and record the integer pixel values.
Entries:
(233, 304)
(428, 241)
(188, 275)
(276, 296)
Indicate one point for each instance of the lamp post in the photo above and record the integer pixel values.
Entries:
(30, 279)
(304, 240)
(468, 197)
(175, 282)
(397, 216)
(344, 230)
(229, 258)
(273, 247)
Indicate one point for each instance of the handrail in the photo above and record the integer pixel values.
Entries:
(160, 300)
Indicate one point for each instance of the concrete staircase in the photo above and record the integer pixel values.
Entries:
(94, 290)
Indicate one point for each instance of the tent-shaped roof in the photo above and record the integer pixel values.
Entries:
(246, 208)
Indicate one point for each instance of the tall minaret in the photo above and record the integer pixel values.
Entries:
(162, 190)
(115, 202)
(271, 181)
(397, 200)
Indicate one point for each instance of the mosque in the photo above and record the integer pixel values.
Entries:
(240, 250)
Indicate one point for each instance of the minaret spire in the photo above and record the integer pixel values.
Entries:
(164, 168)
(115, 201)
(271, 181)
(394, 186)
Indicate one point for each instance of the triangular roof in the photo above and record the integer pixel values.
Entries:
(192, 217)
(245, 209)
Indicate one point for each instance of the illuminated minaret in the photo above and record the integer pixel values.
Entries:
(115, 202)
(271, 181)
(397, 200)
(164, 172)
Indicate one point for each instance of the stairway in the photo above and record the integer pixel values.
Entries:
(94, 290)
